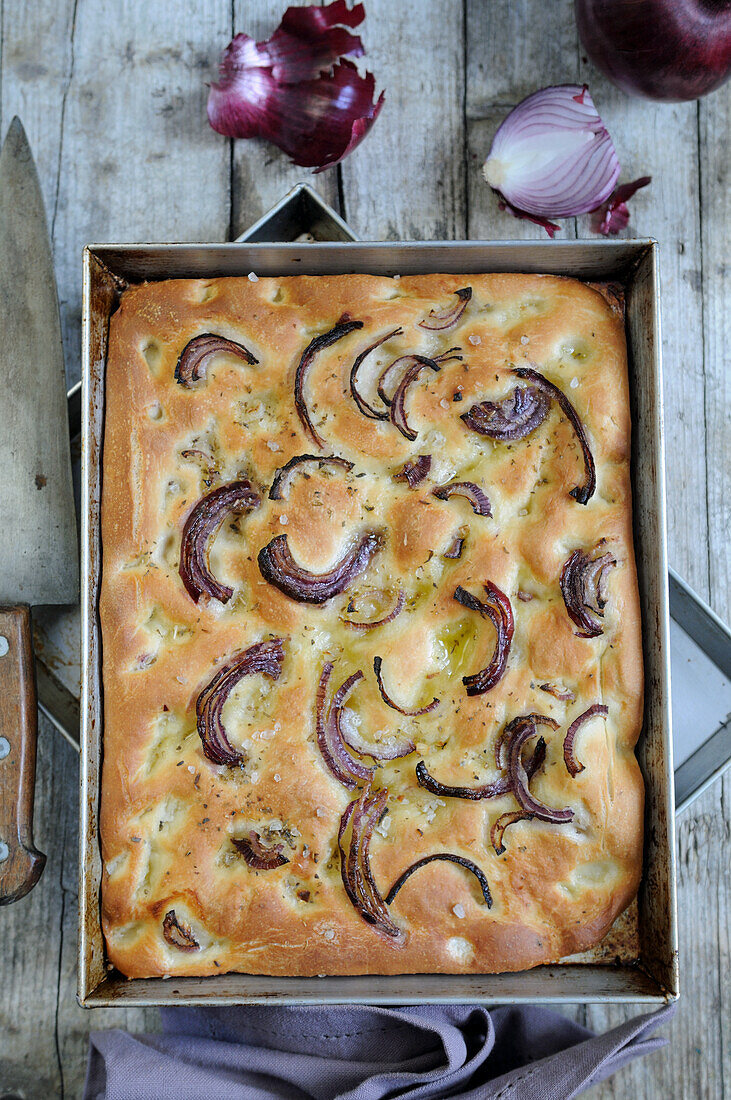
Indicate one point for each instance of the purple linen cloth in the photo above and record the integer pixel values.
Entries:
(361, 1052)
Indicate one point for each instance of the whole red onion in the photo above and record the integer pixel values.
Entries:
(662, 49)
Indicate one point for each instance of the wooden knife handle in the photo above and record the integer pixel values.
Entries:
(20, 863)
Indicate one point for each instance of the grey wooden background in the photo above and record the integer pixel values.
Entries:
(112, 94)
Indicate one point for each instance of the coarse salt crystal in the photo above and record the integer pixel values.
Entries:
(253, 277)
(444, 403)
(181, 679)
(191, 769)
(284, 520)
(474, 340)
(329, 934)
(277, 777)
(522, 511)
(276, 825)
(272, 445)
(524, 339)
(574, 383)
(320, 812)
(458, 910)
(397, 276)
(254, 777)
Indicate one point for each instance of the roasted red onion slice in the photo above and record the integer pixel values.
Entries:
(500, 613)
(367, 409)
(488, 790)
(377, 662)
(177, 933)
(448, 857)
(439, 320)
(197, 354)
(395, 749)
(473, 493)
(264, 658)
(573, 765)
(566, 696)
(257, 855)
(513, 418)
(397, 409)
(279, 568)
(583, 587)
(580, 493)
(330, 741)
(503, 741)
(396, 610)
(286, 474)
(519, 778)
(498, 829)
(355, 866)
(296, 89)
(200, 527)
(414, 471)
(387, 383)
(454, 550)
(343, 328)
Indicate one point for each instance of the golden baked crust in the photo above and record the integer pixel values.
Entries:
(168, 814)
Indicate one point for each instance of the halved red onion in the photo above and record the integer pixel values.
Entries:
(500, 613)
(397, 409)
(496, 789)
(441, 319)
(448, 857)
(564, 695)
(264, 658)
(519, 778)
(583, 587)
(355, 867)
(195, 357)
(177, 933)
(286, 474)
(396, 610)
(258, 855)
(296, 90)
(552, 157)
(377, 662)
(202, 523)
(573, 765)
(325, 340)
(498, 829)
(279, 568)
(473, 493)
(330, 741)
(414, 471)
(581, 493)
(516, 416)
(394, 749)
(367, 409)
(613, 216)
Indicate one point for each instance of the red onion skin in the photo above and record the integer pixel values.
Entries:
(284, 476)
(499, 611)
(177, 934)
(670, 50)
(201, 527)
(343, 766)
(313, 349)
(442, 319)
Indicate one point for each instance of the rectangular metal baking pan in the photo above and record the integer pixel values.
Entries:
(654, 978)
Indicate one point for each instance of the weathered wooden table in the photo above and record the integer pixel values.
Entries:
(113, 98)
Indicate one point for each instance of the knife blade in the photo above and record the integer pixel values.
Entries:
(38, 544)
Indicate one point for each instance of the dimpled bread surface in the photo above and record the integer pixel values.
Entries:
(170, 816)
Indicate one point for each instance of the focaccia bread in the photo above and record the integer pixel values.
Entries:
(319, 673)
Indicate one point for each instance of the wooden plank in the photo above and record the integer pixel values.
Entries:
(509, 54)
(261, 174)
(406, 180)
(714, 116)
